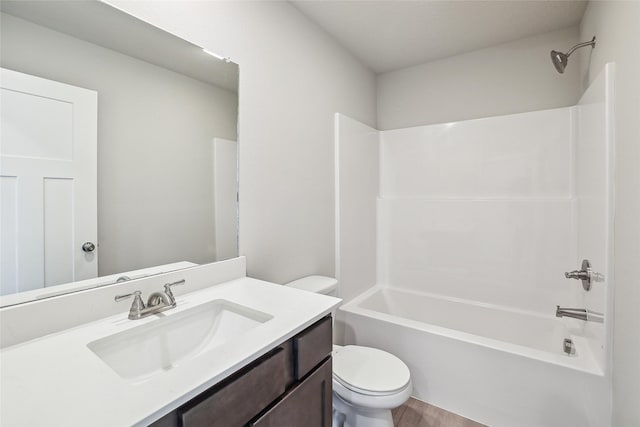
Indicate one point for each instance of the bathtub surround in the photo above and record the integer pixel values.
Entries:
(357, 172)
(594, 170)
(480, 210)
(477, 221)
(495, 210)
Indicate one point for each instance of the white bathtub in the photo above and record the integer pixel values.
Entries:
(497, 366)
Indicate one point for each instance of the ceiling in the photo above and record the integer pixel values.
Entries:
(390, 35)
(106, 26)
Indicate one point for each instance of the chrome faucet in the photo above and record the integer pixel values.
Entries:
(580, 314)
(157, 302)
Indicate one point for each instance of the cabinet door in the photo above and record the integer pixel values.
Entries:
(312, 346)
(309, 404)
(236, 401)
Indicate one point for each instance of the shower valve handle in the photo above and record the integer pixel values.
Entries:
(583, 275)
(577, 274)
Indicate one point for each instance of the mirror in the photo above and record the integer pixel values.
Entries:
(118, 150)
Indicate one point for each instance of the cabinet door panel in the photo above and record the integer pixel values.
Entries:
(237, 401)
(312, 346)
(309, 404)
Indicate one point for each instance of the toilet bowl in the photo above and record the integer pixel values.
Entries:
(367, 382)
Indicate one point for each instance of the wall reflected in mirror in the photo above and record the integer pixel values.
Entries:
(118, 150)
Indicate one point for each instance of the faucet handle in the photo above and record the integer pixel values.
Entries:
(135, 294)
(584, 275)
(577, 274)
(136, 306)
(167, 290)
(179, 282)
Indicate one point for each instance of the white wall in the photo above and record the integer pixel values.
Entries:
(293, 78)
(505, 79)
(151, 210)
(617, 28)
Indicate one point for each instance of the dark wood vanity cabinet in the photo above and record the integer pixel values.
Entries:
(289, 386)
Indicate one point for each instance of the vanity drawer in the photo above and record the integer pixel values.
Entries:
(309, 404)
(236, 401)
(312, 346)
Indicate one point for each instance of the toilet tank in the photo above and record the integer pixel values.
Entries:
(318, 284)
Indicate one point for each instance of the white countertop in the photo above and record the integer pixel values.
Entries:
(56, 380)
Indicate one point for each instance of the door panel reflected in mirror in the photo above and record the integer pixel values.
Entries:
(114, 134)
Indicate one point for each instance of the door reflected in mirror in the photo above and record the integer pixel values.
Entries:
(118, 156)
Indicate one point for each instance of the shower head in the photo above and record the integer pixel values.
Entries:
(560, 59)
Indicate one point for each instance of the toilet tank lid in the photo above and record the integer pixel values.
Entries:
(317, 284)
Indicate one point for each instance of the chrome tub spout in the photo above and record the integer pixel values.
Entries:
(580, 314)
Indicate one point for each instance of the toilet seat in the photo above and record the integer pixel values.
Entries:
(369, 371)
(366, 402)
(361, 390)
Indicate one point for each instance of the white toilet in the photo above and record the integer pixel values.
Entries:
(367, 382)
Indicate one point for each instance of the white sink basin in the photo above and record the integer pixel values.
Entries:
(160, 345)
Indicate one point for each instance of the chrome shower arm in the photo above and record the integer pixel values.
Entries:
(592, 43)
